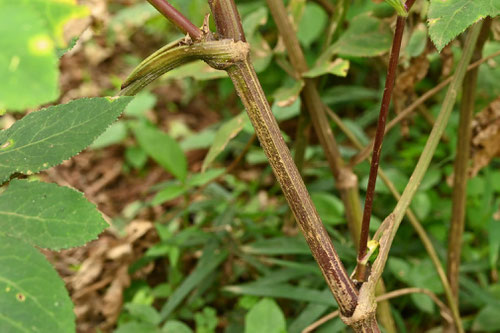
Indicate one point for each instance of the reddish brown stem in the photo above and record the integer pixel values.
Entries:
(174, 16)
(379, 137)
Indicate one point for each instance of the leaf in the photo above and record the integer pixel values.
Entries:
(366, 36)
(163, 149)
(225, 133)
(174, 326)
(116, 133)
(48, 215)
(144, 312)
(28, 57)
(260, 51)
(312, 25)
(34, 298)
(265, 316)
(487, 319)
(330, 208)
(423, 302)
(449, 18)
(168, 193)
(210, 260)
(338, 67)
(200, 179)
(47, 137)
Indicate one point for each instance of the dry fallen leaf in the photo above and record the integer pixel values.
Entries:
(485, 144)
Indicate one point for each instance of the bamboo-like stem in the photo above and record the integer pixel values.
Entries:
(361, 269)
(426, 241)
(250, 91)
(393, 294)
(459, 195)
(365, 152)
(389, 227)
(174, 16)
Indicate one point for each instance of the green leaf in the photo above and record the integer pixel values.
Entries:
(168, 193)
(312, 25)
(31, 32)
(338, 67)
(225, 133)
(47, 137)
(163, 149)
(174, 326)
(34, 298)
(265, 316)
(449, 18)
(207, 264)
(330, 208)
(144, 312)
(48, 215)
(200, 179)
(137, 326)
(366, 36)
(116, 133)
(423, 302)
(399, 6)
(487, 319)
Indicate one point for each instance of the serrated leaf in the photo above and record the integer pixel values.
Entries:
(31, 32)
(265, 316)
(47, 137)
(163, 149)
(48, 215)
(225, 133)
(449, 18)
(34, 298)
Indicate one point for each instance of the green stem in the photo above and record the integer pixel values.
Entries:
(426, 241)
(389, 227)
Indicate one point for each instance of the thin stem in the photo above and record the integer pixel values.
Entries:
(250, 91)
(365, 152)
(426, 241)
(393, 294)
(176, 17)
(459, 195)
(391, 224)
(379, 137)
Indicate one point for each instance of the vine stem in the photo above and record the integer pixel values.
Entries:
(361, 268)
(387, 231)
(176, 17)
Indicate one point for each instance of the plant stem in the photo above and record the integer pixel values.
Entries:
(250, 91)
(459, 196)
(174, 16)
(389, 227)
(365, 152)
(426, 241)
(345, 179)
(361, 271)
(384, 297)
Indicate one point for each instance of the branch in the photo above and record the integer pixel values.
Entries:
(445, 312)
(361, 270)
(174, 16)
(250, 91)
(389, 227)
(365, 152)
